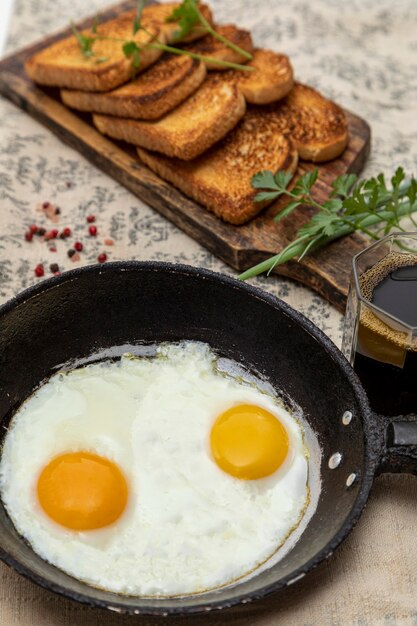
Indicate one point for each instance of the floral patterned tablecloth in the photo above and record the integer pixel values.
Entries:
(363, 53)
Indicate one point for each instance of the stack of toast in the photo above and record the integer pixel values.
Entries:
(204, 128)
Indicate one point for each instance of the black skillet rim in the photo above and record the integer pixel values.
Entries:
(371, 456)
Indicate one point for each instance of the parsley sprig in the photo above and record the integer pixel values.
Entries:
(353, 205)
(187, 14)
(85, 42)
(137, 20)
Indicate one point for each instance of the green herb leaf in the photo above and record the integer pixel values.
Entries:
(85, 42)
(131, 50)
(398, 178)
(343, 185)
(320, 223)
(129, 47)
(136, 60)
(95, 24)
(282, 180)
(263, 196)
(136, 25)
(288, 209)
(306, 182)
(187, 16)
(334, 205)
(412, 191)
(264, 180)
(356, 203)
(352, 205)
(138, 17)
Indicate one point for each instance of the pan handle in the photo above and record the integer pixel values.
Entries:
(400, 446)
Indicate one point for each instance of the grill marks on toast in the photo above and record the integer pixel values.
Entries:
(63, 65)
(220, 179)
(150, 96)
(211, 47)
(190, 129)
(271, 80)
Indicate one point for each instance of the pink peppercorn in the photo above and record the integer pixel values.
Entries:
(91, 218)
(78, 246)
(66, 232)
(92, 230)
(33, 228)
(102, 258)
(29, 236)
(54, 233)
(39, 270)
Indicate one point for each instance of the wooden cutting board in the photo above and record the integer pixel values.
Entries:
(327, 272)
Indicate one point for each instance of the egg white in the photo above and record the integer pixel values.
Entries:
(188, 527)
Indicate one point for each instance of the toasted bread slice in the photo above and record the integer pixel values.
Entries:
(221, 178)
(160, 13)
(190, 129)
(271, 80)
(211, 47)
(317, 126)
(152, 94)
(171, 79)
(63, 65)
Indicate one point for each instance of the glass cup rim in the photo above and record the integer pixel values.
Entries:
(359, 295)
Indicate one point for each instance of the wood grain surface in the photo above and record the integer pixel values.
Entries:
(327, 271)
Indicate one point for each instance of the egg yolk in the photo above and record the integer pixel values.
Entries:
(82, 491)
(248, 442)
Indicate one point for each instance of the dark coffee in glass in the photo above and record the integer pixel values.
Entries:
(380, 337)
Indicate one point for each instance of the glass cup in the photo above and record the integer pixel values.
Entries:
(380, 332)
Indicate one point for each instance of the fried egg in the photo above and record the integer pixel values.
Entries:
(156, 476)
